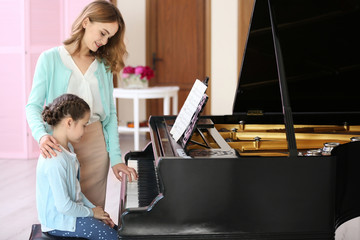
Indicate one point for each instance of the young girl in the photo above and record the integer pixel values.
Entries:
(84, 66)
(63, 210)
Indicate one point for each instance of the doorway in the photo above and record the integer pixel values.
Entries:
(178, 46)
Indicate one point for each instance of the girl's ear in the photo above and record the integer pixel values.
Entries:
(69, 121)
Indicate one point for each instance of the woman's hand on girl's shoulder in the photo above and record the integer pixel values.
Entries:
(47, 145)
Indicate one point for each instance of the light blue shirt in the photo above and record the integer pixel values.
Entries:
(58, 201)
(51, 79)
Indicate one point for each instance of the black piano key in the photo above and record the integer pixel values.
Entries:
(147, 183)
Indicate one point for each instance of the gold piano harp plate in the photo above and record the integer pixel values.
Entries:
(270, 139)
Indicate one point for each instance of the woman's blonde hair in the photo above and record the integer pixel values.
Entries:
(114, 52)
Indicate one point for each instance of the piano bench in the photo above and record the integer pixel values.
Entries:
(37, 234)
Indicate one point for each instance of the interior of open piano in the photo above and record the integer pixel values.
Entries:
(270, 139)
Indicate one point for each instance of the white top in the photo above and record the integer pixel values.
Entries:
(85, 85)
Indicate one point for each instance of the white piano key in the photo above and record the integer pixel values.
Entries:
(132, 195)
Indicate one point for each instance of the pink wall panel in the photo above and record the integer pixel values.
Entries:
(45, 19)
(10, 23)
(33, 146)
(32, 62)
(12, 107)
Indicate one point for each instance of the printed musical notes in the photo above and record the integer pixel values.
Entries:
(188, 109)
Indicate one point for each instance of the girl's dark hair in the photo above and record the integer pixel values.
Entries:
(64, 106)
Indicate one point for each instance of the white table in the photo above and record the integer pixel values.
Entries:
(146, 93)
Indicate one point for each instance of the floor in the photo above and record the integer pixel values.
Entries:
(17, 201)
(17, 188)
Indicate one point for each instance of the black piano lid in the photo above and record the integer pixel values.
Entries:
(320, 47)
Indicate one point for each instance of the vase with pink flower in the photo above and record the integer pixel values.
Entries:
(137, 77)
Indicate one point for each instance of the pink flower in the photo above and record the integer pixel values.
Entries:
(129, 70)
(147, 73)
(144, 72)
(139, 69)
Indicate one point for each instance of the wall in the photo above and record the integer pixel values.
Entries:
(134, 14)
(224, 61)
(13, 141)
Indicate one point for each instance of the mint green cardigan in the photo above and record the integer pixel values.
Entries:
(56, 192)
(51, 80)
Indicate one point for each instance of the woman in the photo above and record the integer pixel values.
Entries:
(84, 66)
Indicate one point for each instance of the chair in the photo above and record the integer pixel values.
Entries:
(37, 234)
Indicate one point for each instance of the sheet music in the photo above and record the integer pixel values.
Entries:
(188, 109)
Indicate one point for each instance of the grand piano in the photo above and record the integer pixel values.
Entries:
(285, 164)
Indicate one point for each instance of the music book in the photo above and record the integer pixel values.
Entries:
(186, 120)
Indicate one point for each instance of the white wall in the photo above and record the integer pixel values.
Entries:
(134, 14)
(224, 60)
(224, 73)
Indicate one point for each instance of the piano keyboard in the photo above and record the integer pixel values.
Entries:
(142, 192)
